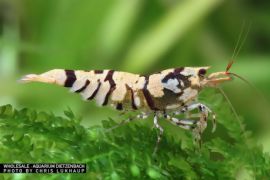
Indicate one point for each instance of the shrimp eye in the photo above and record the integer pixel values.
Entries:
(202, 72)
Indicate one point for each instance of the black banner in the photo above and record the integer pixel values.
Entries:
(42, 168)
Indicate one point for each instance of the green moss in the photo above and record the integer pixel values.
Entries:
(126, 152)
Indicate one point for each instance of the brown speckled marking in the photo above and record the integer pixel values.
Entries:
(109, 78)
(147, 95)
(87, 82)
(95, 92)
(119, 106)
(98, 71)
(71, 78)
(133, 105)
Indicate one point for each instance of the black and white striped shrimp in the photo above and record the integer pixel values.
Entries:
(163, 94)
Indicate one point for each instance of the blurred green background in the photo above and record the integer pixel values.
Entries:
(138, 36)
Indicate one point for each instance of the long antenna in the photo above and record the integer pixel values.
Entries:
(232, 108)
(243, 79)
(244, 39)
(239, 44)
(255, 89)
(238, 39)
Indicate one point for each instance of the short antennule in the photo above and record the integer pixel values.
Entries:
(229, 66)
